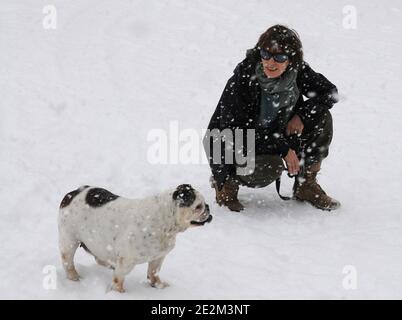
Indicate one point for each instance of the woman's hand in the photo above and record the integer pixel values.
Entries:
(292, 162)
(295, 126)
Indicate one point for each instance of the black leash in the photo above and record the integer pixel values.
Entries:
(295, 145)
(278, 186)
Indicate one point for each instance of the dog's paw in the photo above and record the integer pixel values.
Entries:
(117, 288)
(73, 276)
(120, 290)
(117, 285)
(159, 284)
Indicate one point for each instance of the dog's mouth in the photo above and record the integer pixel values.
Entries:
(201, 223)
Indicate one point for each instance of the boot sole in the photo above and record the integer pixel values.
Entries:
(315, 206)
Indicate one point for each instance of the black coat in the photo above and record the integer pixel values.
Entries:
(239, 108)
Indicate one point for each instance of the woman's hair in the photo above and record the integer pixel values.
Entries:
(279, 38)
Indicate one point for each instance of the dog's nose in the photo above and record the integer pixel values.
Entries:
(207, 208)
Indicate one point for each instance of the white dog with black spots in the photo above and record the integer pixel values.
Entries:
(121, 233)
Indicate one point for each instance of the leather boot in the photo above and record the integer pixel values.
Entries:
(306, 188)
(227, 196)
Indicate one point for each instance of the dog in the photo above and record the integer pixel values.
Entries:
(121, 233)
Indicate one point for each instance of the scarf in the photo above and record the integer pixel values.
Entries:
(276, 93)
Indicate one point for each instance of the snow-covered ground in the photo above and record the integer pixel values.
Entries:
(78, 102)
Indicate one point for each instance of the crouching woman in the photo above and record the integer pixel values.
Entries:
(265, 93)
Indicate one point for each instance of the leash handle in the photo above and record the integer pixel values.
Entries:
(278, 186)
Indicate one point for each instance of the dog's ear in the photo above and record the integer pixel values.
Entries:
(185, 195)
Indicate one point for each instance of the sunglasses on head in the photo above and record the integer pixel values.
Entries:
(279, 57)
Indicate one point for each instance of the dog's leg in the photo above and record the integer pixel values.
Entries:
(123, 267)
(153, 274)
(67, 251)
(103, 263)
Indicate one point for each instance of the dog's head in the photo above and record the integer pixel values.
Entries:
(191, 209)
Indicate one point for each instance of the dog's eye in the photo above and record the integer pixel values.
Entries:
(199, 207)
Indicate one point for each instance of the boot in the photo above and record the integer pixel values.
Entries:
(227, 196)
(307, 189)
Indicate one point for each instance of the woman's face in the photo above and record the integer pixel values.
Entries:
(272, 68)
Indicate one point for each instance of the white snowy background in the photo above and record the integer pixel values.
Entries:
(78, 102)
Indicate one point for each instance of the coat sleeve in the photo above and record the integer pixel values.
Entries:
(320, 92)
(228, 115)
(233, 102)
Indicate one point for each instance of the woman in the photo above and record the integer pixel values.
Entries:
(265, 93)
